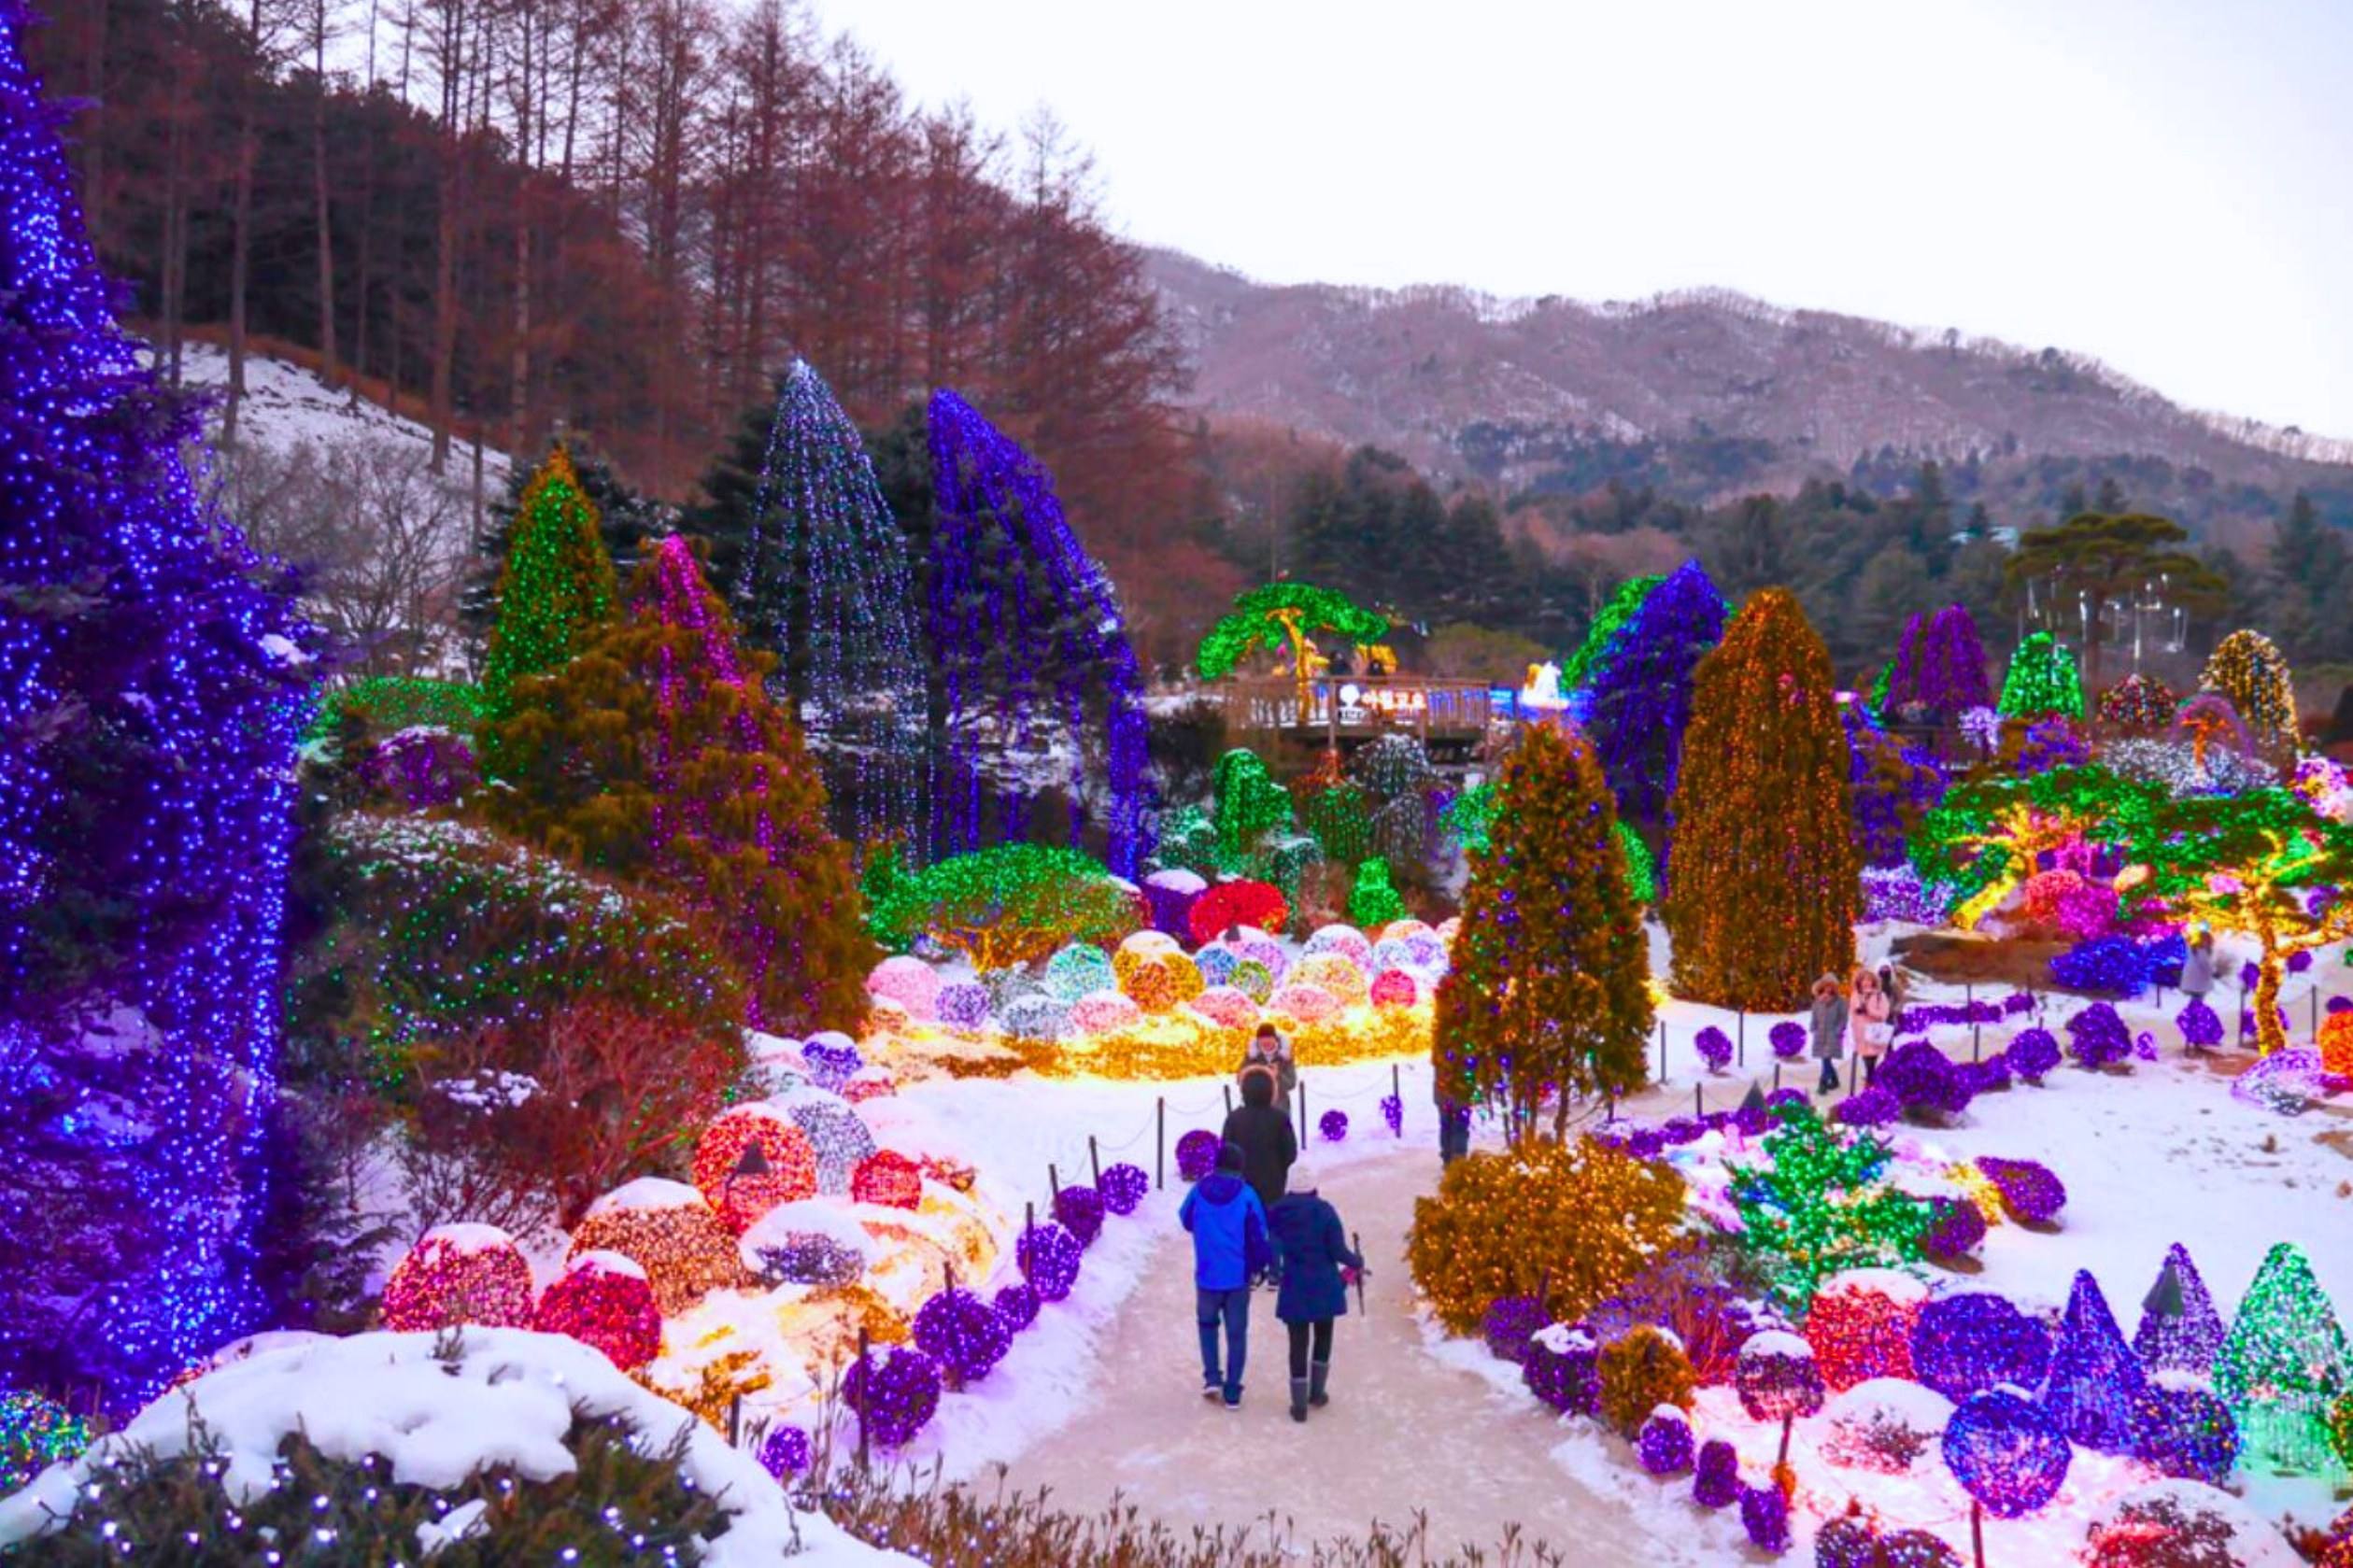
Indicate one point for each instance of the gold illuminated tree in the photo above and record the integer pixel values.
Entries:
(1762, 878)
(2249, 668)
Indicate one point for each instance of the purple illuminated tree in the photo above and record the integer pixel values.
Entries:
(1940, 665)
(2180, 1331)
(1027, 630)
(1640, 699)
(152, 688)
(2095, 1378)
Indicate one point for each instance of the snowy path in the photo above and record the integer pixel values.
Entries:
(1404, 1431)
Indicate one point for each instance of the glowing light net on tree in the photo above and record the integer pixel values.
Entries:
(151, 687)
(826, 579)
(1641, 695)
(1041, 673)
(1940, 664)
(2042, 680)
(1283, 618)
(2249, 668)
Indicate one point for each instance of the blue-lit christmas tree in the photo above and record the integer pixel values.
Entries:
(2180, 1331)
(1639, 700)
(1028, 635)
(2095, 1378)
(825, 581)
(151, 686)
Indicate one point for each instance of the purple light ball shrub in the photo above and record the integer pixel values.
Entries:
(2034, 1053)
(1196, 1153)
(2200, 1027)
(1715, 1048)
(2186, 1432)
(894, 1390)
(2096, 1036)
(1079, 1211)
(963, 1334)
(1921, 1078)
(961, 1004)
(1393, 1112)
(1872, 1108)
(1646, 1143)
(1123, 1188)
(1680, 1130)
(1333, 1124)
(1716, 1474)
(1049, 1258)
(2031, 1191)
(1752, 1121)
(1963, 1345)
(1765, 1514)
(784, 1452)
(1563, 1368)
(1509, 1323)
(1017, 1305)
(1789, 1039)
(1955, 1233)
(1665, 1443)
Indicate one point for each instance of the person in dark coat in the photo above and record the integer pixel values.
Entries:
(1318, 1267)
(1829, 1022)
(1231, 1247)
(1454, 1123)
(1267, 1143)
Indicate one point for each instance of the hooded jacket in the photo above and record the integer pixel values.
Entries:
(1228, 1226)
(1264, 1137)
(1313, 1249)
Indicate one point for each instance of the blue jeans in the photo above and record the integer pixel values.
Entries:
(1231, 1308)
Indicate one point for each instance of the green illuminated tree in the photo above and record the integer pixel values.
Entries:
(1250, 804)
(1763, 877)
(1373, 902)
(2285, 1364)
(1602, 635)
(1551, 982)
(1285, 616)
(1823, 1204)
(556, 588)
(2042, 680)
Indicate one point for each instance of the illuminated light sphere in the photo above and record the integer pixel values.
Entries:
(867, 1083)
(1123, 1188)
(2033, 1055)
(1715, 1048)
(1562, 1366)
(1077, 970)
(1196, 1153)
(791, 1246)
(1963, 1345)
(1333, 1124)
(1253, 979)
(890, 1179)
(1226, 1007)
(831, 1057)
(1390, 953)
(2336, 1044)
(1922, 1078)
(34, 1433)
(963, 1334)
(1308, 1004)
(605, 1302)
(1765, 1514)
(1049, 1258)
(1036, 1018)
(1216, 964)
(459, 1274)
(2202, 1026)
(2181, 1430)
(1103, 1012)
(911, 982)
(668, 1230)
(1259, 948)
(1345, 941)
(1716, 1474)
(1079, 1211)
(838, 1136)
(1509, 1323)
(2096, 1036)
(1665, 1444)
(1954, 1233)
(1252, 904)
(784, 1453)
(894, 1390)
(1861, 1323)
(1017, 1305)
(2031, 1194)
(1148, 984)
(1777, 1378)
(783, 1171)
(1789, 1039)
(2006, 1454)
(1333, 972)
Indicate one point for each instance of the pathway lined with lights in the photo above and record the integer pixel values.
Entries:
(1404, 1435)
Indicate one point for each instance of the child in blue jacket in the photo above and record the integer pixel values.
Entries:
(1318, 1267)
(1230, 1248)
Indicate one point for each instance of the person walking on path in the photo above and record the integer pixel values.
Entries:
(1231, 1246)
(2197, 967)
(1453, 1123)
(1872, 1021)
(1318, 1267)
(1268, 1052)
(1264, 1135)
(1830, 1030)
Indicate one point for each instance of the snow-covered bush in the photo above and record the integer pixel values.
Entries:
(1884, 1424)
(2182, 1524)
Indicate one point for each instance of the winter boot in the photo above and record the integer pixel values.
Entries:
(1298, 1399)
(1319, 1374)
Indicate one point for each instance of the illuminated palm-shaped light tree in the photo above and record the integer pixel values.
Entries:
(1285, 616)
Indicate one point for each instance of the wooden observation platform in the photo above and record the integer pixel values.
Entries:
(1342, 712)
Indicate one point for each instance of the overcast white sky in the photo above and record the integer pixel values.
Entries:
(2160, 183)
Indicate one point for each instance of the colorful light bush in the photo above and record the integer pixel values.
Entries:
(1395, 988)
(962, 1334)
(838, 1136)
(1196, 1153)
(1049, 1258)
(1242, 902)
(2031, 1192)
(669, 1231)
(604, 1301)
(2184, 1430)
(2336, 1044)
(1079, 968)
(1305, 1004)
(1333, 972)
(1963, 1345)
(911, 982)
(1664, 1446)
(888, 1179)
(1124, 1187)
(1104, 1012)
(459, 1274)
(2033, 1055)
(1079, 1211)
(34, 1433)
(2006, 1454)
(1640, 1371)
(1861, 1323)
(739, 1196)
(1226, 1007)
(962, 1004)
(894, 1390)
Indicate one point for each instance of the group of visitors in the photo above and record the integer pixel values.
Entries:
(1857, 1021)
(1250, 1224)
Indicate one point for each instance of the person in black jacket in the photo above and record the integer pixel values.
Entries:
(1268, 1144)
(1318, 1267)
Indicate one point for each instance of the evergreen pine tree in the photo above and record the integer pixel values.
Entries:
(628, 521)
(1550, 982)
(153, 677)
(557, 586)
(656, 755)
(1822, 1202)
(1763, 882)
(2095, 1378)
